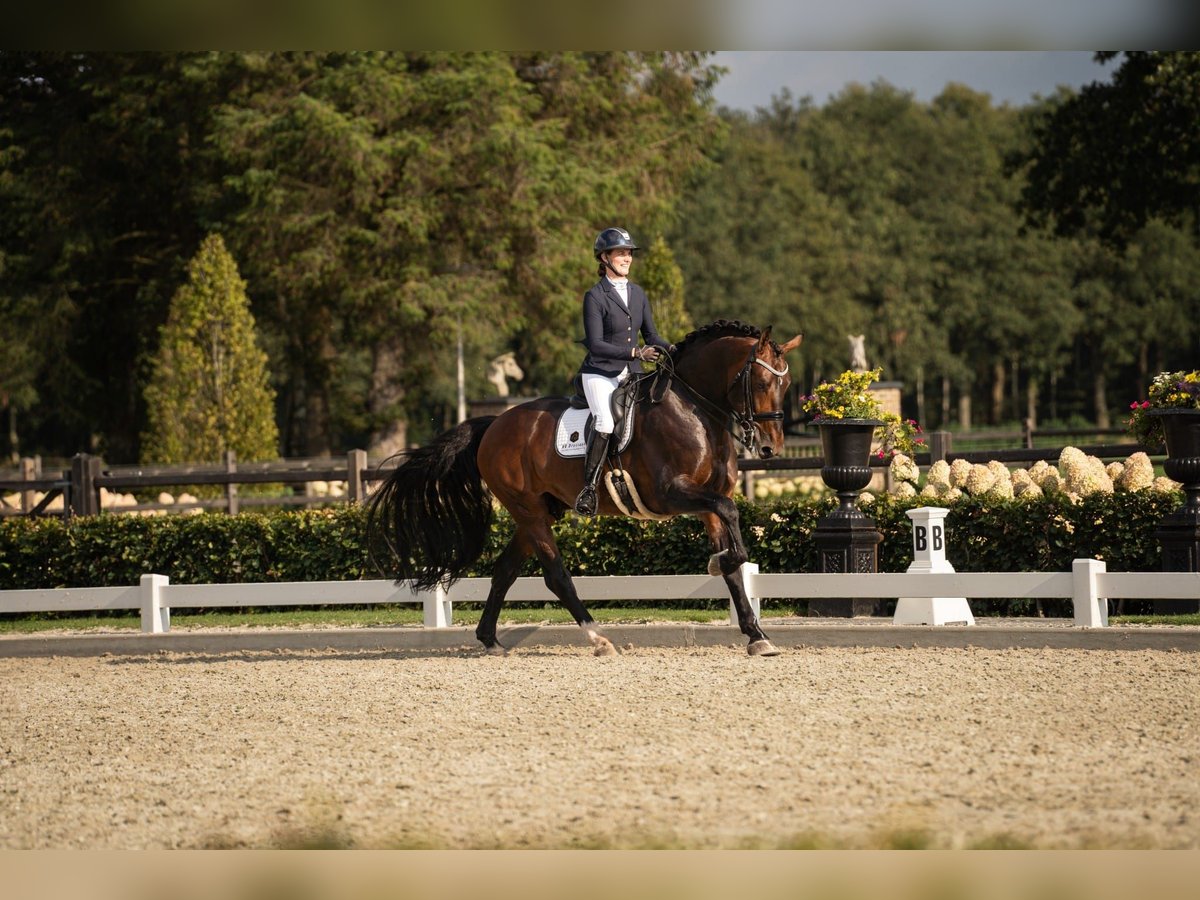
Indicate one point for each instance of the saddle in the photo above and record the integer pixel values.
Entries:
(575, 424)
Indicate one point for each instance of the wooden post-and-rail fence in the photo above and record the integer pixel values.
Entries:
(80, 485)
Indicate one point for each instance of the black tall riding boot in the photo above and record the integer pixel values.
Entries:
(585, 503)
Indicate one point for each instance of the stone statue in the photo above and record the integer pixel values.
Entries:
(858, 353)
(501, 369)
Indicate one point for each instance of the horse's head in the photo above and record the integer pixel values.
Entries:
(502, 368)
(756, 394)
(734, 368)
(508, 365)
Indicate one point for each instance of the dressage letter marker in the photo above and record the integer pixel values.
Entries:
(929, 555)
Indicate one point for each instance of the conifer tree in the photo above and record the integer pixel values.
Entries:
(661, 278)
(209, 390)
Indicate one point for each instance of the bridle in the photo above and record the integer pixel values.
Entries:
(745, 418)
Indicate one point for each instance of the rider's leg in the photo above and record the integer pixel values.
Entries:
(586, 502)
(598, 389)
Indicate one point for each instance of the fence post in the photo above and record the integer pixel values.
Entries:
(939, 445)
(1027, 433)
(231, 489)
(436, 607)
(356, 461)
(1091, 610)
(85, 498)
(156, 615)
(31, 469)
(746, 573)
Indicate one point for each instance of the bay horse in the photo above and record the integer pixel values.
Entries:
(429, 521)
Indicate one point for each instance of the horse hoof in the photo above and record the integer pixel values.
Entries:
(496, 649)
(762, 648)
(604, 647)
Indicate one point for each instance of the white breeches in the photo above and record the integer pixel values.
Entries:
(598, 389)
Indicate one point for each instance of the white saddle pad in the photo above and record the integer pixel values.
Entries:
(569, 437)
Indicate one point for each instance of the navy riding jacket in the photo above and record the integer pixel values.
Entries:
(610, 330)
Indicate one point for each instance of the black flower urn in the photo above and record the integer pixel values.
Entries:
(846, 447)
(1179, 532)
(847, 540)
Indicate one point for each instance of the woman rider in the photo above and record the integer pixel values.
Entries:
(615, 311)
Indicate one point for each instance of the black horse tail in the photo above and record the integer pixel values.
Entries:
(430, 520)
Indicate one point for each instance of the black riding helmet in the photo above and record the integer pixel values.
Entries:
(613, 239)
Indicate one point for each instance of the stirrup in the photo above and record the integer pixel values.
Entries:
(585, 503)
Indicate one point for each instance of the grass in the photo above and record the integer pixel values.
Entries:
(347, 617)
(1182, 619)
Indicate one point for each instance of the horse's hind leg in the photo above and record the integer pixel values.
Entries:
(559, 581)
(506, 570)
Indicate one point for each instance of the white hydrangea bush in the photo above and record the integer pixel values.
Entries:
(1075, 476)
(903, 470)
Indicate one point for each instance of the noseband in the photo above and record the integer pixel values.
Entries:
(747, 417)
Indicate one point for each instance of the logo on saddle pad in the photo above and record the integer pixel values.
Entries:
(575, 427)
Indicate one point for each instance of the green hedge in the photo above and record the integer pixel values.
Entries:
(982, 535)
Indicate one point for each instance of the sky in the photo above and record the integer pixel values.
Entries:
(1012, 77)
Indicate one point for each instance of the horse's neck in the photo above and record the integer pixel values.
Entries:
(709, 370)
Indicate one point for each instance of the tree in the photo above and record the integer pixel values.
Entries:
(757, 241)
(660, 276)
(100, 167)
(209, 389)
(374, 200)
(382, 199)
(20, 360)
(1120, 152)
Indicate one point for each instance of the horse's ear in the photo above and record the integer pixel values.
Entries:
(765, 337)
(792, 344)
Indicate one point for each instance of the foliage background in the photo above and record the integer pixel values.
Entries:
(378, 203)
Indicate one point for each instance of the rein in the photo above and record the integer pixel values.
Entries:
(745, 418)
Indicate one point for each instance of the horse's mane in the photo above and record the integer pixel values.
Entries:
(719, 329)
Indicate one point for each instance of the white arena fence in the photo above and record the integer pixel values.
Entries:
(1088, 584)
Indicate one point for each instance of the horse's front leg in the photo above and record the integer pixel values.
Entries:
(724, 540)
(720, 517)
(725, 533)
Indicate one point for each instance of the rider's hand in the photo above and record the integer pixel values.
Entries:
(649, 353)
